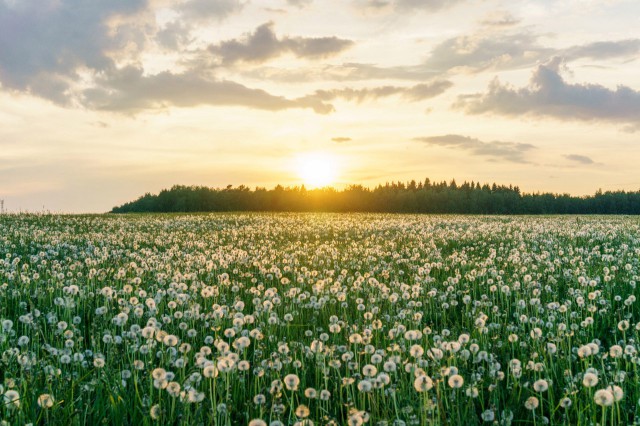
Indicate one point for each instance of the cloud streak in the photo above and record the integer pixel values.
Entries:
(263, 44)
(414, 93)
(582, 159)
(508, 151)
(341, 139)
(129, 91)
(409, 5)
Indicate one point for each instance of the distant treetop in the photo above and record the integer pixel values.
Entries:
(394, 197)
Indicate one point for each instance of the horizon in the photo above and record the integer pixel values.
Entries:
(346, 187)
(102, 104)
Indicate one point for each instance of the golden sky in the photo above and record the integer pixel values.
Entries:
(101, 102)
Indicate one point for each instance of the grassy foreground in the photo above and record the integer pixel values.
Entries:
(307, 319)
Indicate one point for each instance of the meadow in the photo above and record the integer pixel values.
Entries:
(325, 319)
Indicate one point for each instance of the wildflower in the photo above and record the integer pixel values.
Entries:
(603, 397)
(389, 366)
(159, 374)
(155, 412)
(11, 399)
(369, 370)
(531, 403)
(302, 411)
(616, 391)
(615, 351)
(46, 400)
(540, 385)
(416, 351)
(423, 383)
(170, 340)
(589, 380)
(365, 386)
(291, 381)
(488, 415)
(565, 402)
(455, 381)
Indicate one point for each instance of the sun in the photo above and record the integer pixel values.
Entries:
(316, 169)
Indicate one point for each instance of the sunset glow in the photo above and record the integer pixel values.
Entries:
(137, 96)
(317, 169)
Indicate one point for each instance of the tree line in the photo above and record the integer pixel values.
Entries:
(394, 197)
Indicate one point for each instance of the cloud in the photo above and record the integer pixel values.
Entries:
(192, 14)
(582, 159)
(408, 5)
(549, 95)
(500, 19)
(509, 151)
(129, 91)
(479, 52)
(44, 42)
(341, 139)
(604, 50)
(413, 93)
(431, 5)
(299, 3)
(204, 10)
(263, 45)
(345, 72)
(512, 50)
(492, 49)
(174, 35)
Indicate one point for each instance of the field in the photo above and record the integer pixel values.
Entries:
(257, 319)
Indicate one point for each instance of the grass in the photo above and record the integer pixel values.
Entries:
(201, 319)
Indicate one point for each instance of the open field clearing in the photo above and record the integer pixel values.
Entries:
(319, 319)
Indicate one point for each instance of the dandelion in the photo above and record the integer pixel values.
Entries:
(623, 325)
(170, 340)
(291, 381)
(531, 403)
(423, 383)
(416, 351)
(11, 399)
(615, 351)
(159, 373)
(488, 415)
(540, 385)
(455, 381)
(46, 401)
(302, 411)
(369, 370)
(589, 380)
(365, 386)
(616, 391)
(603, 397)
(155, 412)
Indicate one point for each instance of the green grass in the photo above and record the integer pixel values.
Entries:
(520, 308)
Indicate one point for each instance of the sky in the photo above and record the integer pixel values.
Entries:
(103, 101)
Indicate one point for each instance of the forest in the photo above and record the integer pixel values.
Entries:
(395, 197)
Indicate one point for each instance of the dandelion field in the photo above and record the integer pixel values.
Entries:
(275, 319)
